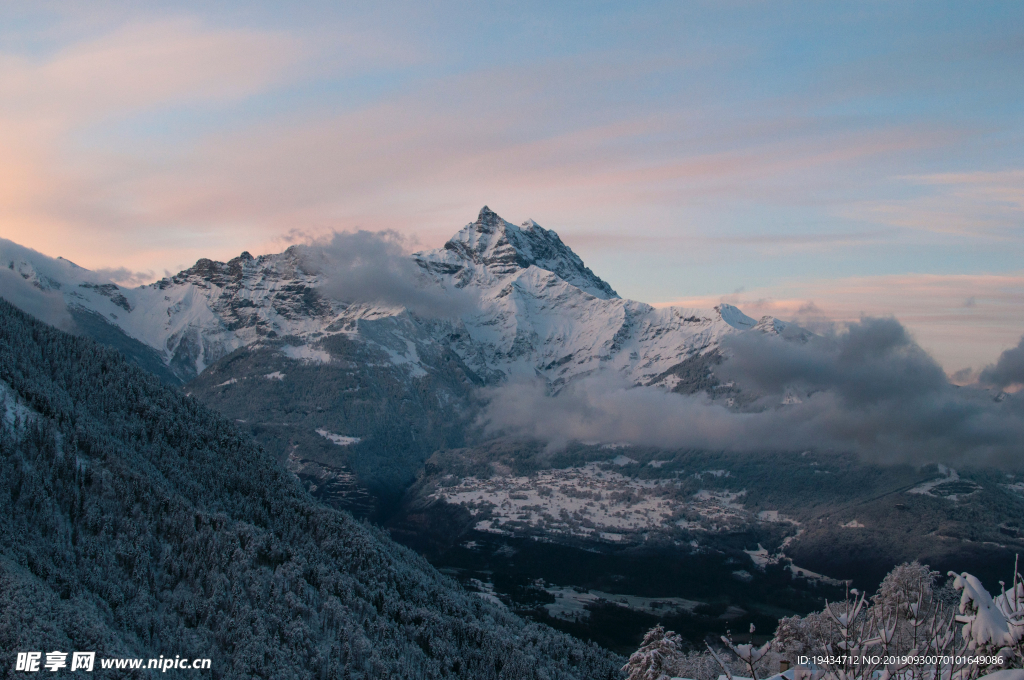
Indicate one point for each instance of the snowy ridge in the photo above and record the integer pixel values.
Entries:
(540, 311)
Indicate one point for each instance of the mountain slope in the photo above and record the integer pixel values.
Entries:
(538, 310)
(136, 523)
(548, 315)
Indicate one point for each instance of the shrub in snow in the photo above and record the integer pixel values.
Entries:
(660, 657)
(699, 666)
(800, 635)
(755, 660)
(990, 627)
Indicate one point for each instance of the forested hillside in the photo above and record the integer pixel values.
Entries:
(134, 522)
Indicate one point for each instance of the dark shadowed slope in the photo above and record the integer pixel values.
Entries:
(135, 522)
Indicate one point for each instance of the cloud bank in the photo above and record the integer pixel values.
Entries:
(30, 281)
(869, 390)
(46, 305)
(963, 320)
(375, 268)
(1007, 371)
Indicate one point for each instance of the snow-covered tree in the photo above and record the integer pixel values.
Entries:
(657, 657)
(697, 666)
(904, 585)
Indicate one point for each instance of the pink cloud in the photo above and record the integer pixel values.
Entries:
(398, 163)
(141, 66)
(54, 195)
(977, 204)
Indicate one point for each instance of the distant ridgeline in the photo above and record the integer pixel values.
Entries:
(134, 522)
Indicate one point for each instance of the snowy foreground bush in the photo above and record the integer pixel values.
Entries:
(907, 631)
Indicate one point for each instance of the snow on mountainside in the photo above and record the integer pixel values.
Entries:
(539, 310)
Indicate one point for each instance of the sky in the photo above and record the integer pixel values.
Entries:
(814, 161)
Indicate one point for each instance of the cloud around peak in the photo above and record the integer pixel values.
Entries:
(869, 389)
(1007, 371)
(376, 268)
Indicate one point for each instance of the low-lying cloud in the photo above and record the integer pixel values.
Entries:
(870, 390)
(46, 305)
(1007, 371)
(124, 276)
(376, 268)
(32, 289)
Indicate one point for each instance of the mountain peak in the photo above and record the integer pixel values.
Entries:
(488, 219)
(504, 249)
(219, 273)
(734, 317)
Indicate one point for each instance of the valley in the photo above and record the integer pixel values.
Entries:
(595, 534)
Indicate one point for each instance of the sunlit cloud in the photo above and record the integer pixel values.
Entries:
(420, 162)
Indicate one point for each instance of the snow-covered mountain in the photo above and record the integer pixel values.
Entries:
(542, 312)
(538, 310)
(375, 407)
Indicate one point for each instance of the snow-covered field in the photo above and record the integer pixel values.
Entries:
(339, 439)
(306, 353)
(949, 486)
(571, 603)
(595, 502)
